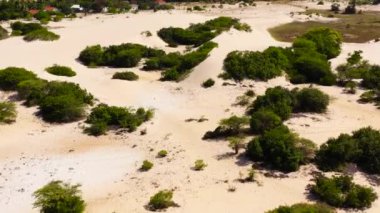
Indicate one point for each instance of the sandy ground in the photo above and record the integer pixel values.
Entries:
(33, 153)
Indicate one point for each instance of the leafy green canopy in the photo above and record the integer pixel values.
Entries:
(341, 191)
(281, 149)
(59, 197)
(362, 148)
(102, 117)
(303, 208)
(197, 34)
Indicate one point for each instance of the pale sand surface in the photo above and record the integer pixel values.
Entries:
(33, 153)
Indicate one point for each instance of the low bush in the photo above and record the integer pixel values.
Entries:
(146, 166)
(57, 196)
(340, 191)
(362, 148)
(119, 117)
(281, 149)
(161, 200)
(11, 76)
(371, 79)
(7, 112)
(60, 71)
(310, 100)
(129, 76)
(208, 83)
(162, 153)
(33, 31)
(198, 34)
(264, 120)
(303, 208)
(25, 28)
(199, 165)
(42, 35)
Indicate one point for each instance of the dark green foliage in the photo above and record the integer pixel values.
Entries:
(60, 71)
(264, 120)
(197, 34)
(25, 28)
(129, 76)
(119, 117)
(161, 200)
(43, 35)
(63, 108)
(278, 99)
(33, 31)
(231, 126)
(362, 148)
(31, 91)
(11, 76)
(340, 191)
(147, 165)
(7, 112)
(208, 83)
(3, 33)
(123, 55)
(371, 79)
(59, 197)
(254, 65)
(310, 100)
(279, 148)
(303, 208)
(327, 41)
(354, 68)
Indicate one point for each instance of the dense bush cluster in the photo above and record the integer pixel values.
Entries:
(103, 117)
(263, 120)
(123, 55)
(281, 149)
(305, 62)
(33, 31)
(283, 102)
(362, 148)
(129, 76)
(208, 83)
(162, 200)
(57, 101)
(303, 208)
(198, 34)
(59, 197)
(341, 191)
(7, 112)
(255, 65)
(60, 71)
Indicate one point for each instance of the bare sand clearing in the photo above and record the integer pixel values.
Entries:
(33, 153)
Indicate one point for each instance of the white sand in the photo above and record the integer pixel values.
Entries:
(33, 153)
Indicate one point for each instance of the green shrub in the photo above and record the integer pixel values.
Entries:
(147, 165)
(279, 148)
(199, 165)
(264, 120)
(64, 108)
(7, 112)
(11, 76)
(129, 76)
(310, 100)
(196, 34)
(208, 83)
(92, 55)
(362, 148)
(327, 41)
(33, 31)
(340, 191)
(43, 35)
(161, 200)
(25, 28)
(371, 79)
(60, 71)
(303, 208)
(59, 197)
(119, 117)
(254, 65)
(243, 27)
(162, 153)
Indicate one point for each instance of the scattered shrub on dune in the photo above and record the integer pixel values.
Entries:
(42, 35)
(198, 34)
(129, 76)
(362, 148)
(264, 120)
(60, 71)
(7, 112)
(106, 116)
(161, 200)
(342, 192)
(199, 165)
(371, 79)
(208, 83)
(57, 196)
(281, 149)
(162, 153)
(11, 76)
(3, 33)
(33, 31)
(25, 28)
(310, 100)
(146, 166)
(303, 208)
